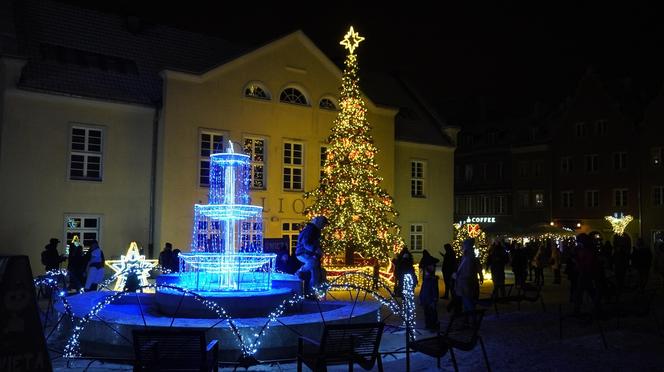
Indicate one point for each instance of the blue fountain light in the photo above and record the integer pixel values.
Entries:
(227, 239)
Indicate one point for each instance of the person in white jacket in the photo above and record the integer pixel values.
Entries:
(95, 267)
(468, 276)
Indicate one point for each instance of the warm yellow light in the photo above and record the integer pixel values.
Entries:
(619, 224)
(552, 223)
(351, 40)
(132, 261)
(578, 224)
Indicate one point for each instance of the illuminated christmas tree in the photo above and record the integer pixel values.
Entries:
(469, 230)
(360, 213)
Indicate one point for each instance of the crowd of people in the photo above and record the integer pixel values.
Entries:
(595, 270)
(85, 269)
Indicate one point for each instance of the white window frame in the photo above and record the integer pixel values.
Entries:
(567, 199)
(657, 193)
(484, 202)
(524, 168)
(257, 84)
(256, 164)
(86, 152)
(251, 232)
(334, 102)
(291, 233)
(592, 198)
(290, 166)
(303, 93)
(417, 178)
(591, 162)
(601, 127)
(501, 168)
(203, 158)
(81, 229)
(580, 129)
(622, 200)
(500, 204)
(457, 205)
(417, 231)
(468, 172)
(620, 160)
(524, 199)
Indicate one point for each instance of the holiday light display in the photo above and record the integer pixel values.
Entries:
(132, 262)
(227, 240)
(360, 213)
(618, 224)
(465, 231)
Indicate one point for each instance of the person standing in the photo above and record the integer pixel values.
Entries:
(429, 290)
(449, 267)
(76, 265)
(642, 261)
(95, 267)
(469, 276)
(555, 264)
(403, 265)
(496, 262)
(50, 257)
(166, 257)
(308, 250)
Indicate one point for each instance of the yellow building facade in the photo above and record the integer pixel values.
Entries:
(116, 165)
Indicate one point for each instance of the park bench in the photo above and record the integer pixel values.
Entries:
(172, 349)
(461, 332)
(340, 344)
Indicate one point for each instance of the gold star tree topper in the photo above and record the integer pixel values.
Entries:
(351, 40)
(132, 261)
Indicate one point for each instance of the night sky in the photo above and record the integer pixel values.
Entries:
(510, 55)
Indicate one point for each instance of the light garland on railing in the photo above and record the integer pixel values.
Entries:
(250, 347)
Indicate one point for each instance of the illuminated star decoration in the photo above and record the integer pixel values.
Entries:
(351, 40)
(619, 224)
(133, 261)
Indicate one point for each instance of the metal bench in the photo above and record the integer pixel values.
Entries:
(340, 344)
(172, 349)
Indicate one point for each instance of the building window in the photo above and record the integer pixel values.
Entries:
(592, 198)
(620, 197)
(500, 204)
(417, 179)
(468, 172)
(210, 143)
(524, 199)
(484, 200)
(523, 168)
(566, 164)
(484, 171)
(469, 205)
(580, 129)
(457, 205)
(500, 170)
(294, 96)
(86, 227)
(656, 156)
(85, 156)
(567, 199)
(255, 148)
(327, 104)
(491, 138)
(257, 90)
(619, 160)
(537, 168)
(293, 166)
(539, 199)
(601, 127)
(592, 163)
(323, 158)
(251, 236)
(416, 237)
(290, 231)
(658, 196)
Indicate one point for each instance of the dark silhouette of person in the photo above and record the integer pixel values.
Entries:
(620, 261)
(283, 259)
(166, 257)
(496, 261)
(468, 276)
(403, 265)
(76, 265)
(642, 261)
(175, 262)
(519, 264)
(429, 290)
(448, 269)
(50, 257)
(309, 252)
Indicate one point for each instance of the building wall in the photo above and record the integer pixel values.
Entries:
(435, 210)
(216, 101)
(35, 190)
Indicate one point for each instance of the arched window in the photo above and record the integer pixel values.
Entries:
(294, 96)
(327, 104)
(257, 90)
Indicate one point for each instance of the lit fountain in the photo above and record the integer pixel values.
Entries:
(227, 269)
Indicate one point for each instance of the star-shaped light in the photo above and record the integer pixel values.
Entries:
(133, 261)
(619, 224)
(351, 40)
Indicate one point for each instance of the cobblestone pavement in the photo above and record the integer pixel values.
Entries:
(520, 340)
